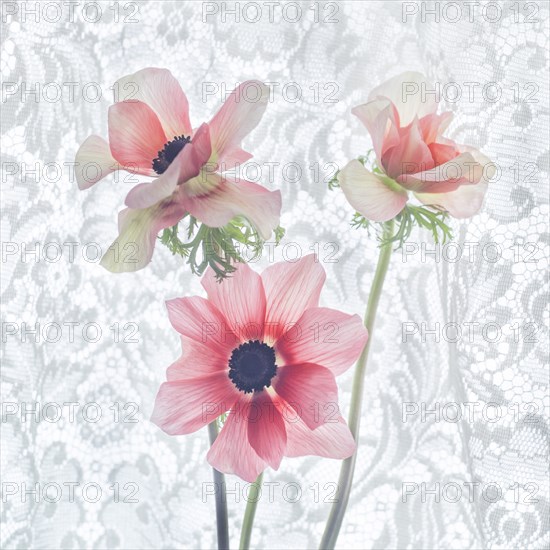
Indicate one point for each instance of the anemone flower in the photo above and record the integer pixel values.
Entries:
(413, 156)
(260, 349)
(150, 134)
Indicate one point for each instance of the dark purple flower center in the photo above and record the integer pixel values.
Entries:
(252, 366)
(169, 153)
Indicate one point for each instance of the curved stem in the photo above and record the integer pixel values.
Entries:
(221, 499)
(334, 522)
(250, 512)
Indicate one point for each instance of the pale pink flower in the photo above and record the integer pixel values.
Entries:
(407, 136)
(150, 134)
(261, 348)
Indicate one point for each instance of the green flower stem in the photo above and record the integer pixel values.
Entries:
(250, 512)
(334, 522)
(221, 499)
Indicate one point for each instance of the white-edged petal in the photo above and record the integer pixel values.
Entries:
(368, 193)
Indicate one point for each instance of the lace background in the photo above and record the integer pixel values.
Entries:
(369, 43)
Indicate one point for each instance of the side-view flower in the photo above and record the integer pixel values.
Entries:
(261, 354)
(413, 156)
(150, 134)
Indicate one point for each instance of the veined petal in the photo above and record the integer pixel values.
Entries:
(93, 162)
(266, 429)
(138, 230)
(184, 406)
(410, 155)
(204, 183)
(231, 197)
(331, 440)
(463, 202)
(381, 119)
(466, 200)
(461, 170)
(231, 453)
(290, 289)
(368, 193)
(409, 92)
(161, 92)
(309, 389)
(443, 152)
(135, 136)
(186, 165)
(233, 159)
(237, 117)
(326, 337)
(199, 319)
(198, 359)
(432, 126)
(241, 299)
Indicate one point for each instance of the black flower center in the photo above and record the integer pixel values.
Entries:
(169, 153)
(252, 366)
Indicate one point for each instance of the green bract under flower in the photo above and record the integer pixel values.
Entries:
(429, 217)
(422, 216)
(221, 248)
(190, 168)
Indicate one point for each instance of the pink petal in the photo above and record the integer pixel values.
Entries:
(432, 126)
(369, 194)
(161, 91)
(184, 406)
(327, 337)
(185, 166)
(233, 197)
(407, 91)
(93, 162)
(309, 389)
(266, 429)
(463, 202)
(241, 298)
(233, 159)
(138, 230)
(198, 359)
(410, 155)
(199, 319)
(231, 453)
(463, 169)
(443, 152)
(290, 289)
(382, 121)
(238, 116)
(467, 200)
(135, 136)
(331, 440)
(206, 182)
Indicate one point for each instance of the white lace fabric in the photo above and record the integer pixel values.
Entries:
(326, 60)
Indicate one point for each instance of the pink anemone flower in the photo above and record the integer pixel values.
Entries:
(407, 137)
(150, 134)
(261, 350)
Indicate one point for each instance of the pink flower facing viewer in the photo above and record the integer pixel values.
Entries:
(261, 348)
(150, 134)
(413, 155)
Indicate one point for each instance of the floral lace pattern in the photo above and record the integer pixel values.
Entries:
(332, 60)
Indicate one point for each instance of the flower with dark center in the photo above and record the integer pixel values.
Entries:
(271, 388)
(169, 153)
(252, 366)
(153, 136)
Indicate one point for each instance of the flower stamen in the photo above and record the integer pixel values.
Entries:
(252, 366)
(169, 152)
